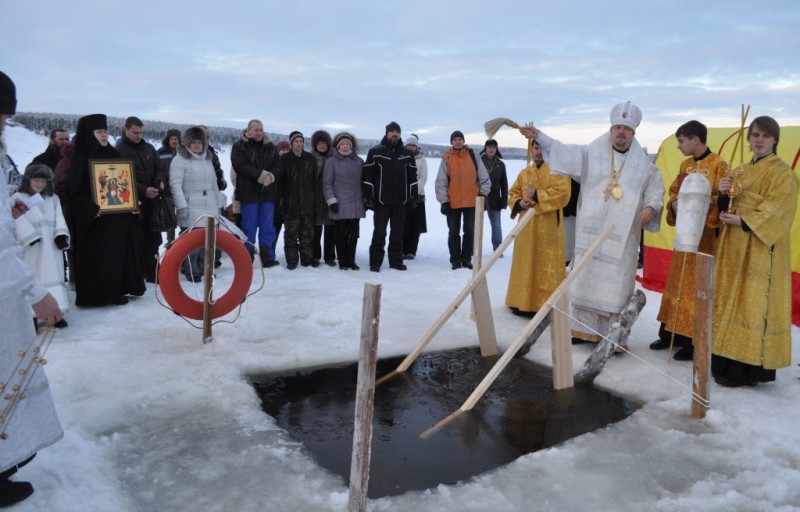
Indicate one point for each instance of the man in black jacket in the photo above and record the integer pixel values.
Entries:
(390, 183)
(299, 191)
(132, 146)
(58, 139)
(255, 160)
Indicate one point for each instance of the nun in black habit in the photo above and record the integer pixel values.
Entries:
(107, 247)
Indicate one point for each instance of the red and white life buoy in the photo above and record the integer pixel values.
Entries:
(169, 273)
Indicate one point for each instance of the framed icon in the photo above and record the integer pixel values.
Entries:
(114, 186)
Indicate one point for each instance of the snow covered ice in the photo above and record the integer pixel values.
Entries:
(156, 421)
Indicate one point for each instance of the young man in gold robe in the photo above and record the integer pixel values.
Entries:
(752, 318)
(677, 303)
(537, 267)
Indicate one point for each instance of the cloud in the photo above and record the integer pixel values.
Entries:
(424, 64)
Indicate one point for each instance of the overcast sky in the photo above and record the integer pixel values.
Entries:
(433, 67)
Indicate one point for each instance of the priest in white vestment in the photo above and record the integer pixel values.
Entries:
(28, 420)
(620, 186)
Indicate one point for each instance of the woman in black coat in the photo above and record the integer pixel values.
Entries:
(107, 247)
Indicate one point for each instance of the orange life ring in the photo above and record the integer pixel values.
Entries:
(169, 273)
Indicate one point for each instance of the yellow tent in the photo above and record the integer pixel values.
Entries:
(658, 246)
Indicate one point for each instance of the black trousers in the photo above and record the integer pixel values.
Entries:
(461, 246)
(394, 217)
(347, 232)
(329, 251)
(298, 238)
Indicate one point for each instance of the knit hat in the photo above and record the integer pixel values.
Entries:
(393, 126)
(342, 137)
(455, 134)
(8, 95)
(626, 114)
(412, 140)
(283, 145)
(294, 135)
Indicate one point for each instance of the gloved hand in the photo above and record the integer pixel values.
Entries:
(266, 179)
(334, 207)
(369, 204)
(221, 184)
(412, 205)
(445, 209)
(61, 242)
(183, 216)
(420, 199)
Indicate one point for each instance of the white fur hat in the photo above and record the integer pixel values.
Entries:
(626, 114)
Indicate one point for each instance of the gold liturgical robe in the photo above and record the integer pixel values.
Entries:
(752, 272)
(538, 263)
(678, 301)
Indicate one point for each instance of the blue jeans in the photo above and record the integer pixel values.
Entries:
(258, 217)
(497, 228)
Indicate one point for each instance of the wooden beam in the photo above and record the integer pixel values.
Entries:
(365, 398)
(561, 344)
(703, 307)
(481, 311)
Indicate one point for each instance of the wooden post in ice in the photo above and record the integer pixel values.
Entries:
(208, 282)
(704, 303)
(481, 311)
(365, 398)
(561, 343)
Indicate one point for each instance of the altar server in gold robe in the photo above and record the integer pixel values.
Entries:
(752, 272)
(677, 303)
(537, 267)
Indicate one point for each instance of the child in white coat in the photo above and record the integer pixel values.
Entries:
(42, 232)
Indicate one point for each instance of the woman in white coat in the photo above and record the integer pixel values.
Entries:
(194, 189)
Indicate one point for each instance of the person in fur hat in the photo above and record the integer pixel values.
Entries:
(195, 191)
(43, 233)
(324, 227)
(341, 186)
(34, 426)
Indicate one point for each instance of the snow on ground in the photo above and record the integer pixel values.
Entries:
(156, 421)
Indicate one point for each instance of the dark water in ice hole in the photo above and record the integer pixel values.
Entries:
(519, 414)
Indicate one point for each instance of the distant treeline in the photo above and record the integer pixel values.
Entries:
(43, 122)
